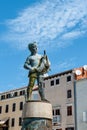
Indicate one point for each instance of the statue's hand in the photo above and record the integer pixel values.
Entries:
(33, 69)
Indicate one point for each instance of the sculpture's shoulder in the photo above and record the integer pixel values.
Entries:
(35, 57)
(28, 57)
(39, 55)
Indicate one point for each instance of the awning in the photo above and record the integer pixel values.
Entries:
(3, 121)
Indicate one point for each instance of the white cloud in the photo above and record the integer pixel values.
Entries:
(47, 21)
(72, 34)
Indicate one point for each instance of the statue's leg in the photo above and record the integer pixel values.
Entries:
(30, 87)
(40, 86)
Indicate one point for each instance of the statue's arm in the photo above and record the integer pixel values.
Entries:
(27, 64)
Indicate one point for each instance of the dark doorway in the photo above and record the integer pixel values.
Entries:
(70, 128)
(58, 129)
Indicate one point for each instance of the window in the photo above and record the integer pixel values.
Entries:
(68, 78)
(15, 94)
(57, 81)
(69, 110)
(20, 121)
(2, 97)
(57, 112)
(22, 92)
(52, 83)
(0, 109)
(8, 95)
(56, 115)
(21, 105)
(7, 109)
(58, 129)
(70, 128)
(14, 107)
(69, 94)
(53, 112)
(13, 122)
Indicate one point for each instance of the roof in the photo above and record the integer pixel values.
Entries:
(59, 74)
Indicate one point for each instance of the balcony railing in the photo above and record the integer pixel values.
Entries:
(57, 119)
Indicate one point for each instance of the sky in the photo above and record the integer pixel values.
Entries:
(58, 26)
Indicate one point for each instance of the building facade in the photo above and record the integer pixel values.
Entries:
(11, 107)
(60, 92)
(81, 98)
(67, 93)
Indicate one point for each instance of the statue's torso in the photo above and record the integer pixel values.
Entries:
(34, 60)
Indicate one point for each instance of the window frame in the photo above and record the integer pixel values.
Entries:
(69, 110)
(0, 109)
(52, 82)
(2, 97)
(68, 78)
(20, 121)
(57, 81)
(69, 93)
(12, 122)
(7, 108)
(21, 106)
(13, 107)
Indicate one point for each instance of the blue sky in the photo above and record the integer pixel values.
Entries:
(59, 27)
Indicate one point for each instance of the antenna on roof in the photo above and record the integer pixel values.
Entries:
(78, 72)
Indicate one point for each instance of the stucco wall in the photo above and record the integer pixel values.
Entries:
(81, 103)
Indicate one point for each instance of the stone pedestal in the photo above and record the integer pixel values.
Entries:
(37, 115)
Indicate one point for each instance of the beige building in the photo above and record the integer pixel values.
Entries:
(11, 107)
(59, 90)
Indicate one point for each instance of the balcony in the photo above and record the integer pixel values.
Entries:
(57, 119)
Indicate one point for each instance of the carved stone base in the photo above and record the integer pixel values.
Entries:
(37, 115)
(37, 124)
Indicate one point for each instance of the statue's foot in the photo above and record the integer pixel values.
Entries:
(28, 99)
(45, 100)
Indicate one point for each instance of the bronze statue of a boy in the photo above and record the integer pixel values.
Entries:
(37, 65)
